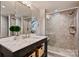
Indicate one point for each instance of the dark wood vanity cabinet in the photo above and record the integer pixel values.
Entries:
(33, 50)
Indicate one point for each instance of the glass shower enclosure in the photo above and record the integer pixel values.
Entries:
(62, 30)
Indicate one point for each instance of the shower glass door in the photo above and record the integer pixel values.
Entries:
(61, 30)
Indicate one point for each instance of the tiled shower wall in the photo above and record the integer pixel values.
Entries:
(57, 28)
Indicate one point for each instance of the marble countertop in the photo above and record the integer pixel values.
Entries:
(19, 43)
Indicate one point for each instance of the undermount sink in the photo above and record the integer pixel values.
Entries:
(34, 37)
(27, 37)
(24, 39)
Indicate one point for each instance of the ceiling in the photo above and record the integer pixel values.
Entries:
(53, 5)
(12, 7)
(20, 9)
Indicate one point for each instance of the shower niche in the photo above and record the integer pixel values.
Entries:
(72, 29)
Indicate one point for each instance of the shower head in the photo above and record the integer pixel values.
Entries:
(71, 12)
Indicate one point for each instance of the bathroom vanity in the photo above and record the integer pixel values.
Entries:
(23, 47)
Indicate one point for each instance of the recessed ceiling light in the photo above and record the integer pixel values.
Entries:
(3, 6)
